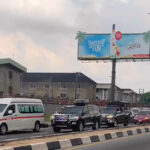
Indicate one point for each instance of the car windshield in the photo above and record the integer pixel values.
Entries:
(2, 107)
(72, 110)
(108, 110)
(143, 113)
(135, 110)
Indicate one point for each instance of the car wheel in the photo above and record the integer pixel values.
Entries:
(80, 127)
(36, 127)
(126, 123)
(115, 123)
(3, 129)
(96, 126)
(56, 130)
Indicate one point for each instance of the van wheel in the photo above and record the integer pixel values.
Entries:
(36, 127)
(3, 129)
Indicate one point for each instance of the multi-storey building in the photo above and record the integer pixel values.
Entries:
(10, 72)
(58, 85)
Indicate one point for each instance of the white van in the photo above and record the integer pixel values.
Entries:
(20, 114)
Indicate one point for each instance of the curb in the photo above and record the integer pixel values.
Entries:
(67, 143)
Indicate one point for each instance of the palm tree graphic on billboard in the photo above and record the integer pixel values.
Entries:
(147, 39)
(80, 36)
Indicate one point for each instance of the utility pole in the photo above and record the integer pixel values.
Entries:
(113, 55)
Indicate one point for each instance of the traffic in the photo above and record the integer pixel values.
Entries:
(21, 114)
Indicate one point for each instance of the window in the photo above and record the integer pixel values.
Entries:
(63, 95)
(46, 85)
(11, 107)
(10, 75)
(30, 108)
(1, 94)
(78, 86)
(63, 85)
(33, 85)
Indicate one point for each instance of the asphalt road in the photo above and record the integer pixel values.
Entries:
(137, 142)
(19, 135)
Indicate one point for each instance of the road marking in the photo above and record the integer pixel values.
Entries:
(102, 142)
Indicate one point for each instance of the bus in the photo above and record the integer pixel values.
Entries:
(20, 114)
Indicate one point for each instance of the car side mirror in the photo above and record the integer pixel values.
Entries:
(10, 112)
(118, 112)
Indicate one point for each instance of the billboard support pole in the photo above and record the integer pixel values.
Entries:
(113, 80)
(113, 77)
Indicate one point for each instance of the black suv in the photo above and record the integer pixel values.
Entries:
(111, 116)
(76, 117)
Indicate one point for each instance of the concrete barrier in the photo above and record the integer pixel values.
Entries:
(67, 143)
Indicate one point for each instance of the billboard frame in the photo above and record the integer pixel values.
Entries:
(110, 59)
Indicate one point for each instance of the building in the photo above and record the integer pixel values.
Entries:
(129, 96)
(58, 85)
(10, 72)
(124, 95)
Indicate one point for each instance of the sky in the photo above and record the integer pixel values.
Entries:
(40, 35)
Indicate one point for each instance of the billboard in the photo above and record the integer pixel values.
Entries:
(99, 46)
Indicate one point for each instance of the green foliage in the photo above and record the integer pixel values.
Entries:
(80, 36)
(47, 118)
(145, 98)
(147, 37)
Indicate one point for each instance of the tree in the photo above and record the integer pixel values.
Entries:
(145, 98)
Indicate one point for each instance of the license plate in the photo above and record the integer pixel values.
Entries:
(73, 123)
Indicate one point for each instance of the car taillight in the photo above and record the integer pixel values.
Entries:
(145, 118)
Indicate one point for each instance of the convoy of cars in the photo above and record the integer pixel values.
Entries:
(25, 113)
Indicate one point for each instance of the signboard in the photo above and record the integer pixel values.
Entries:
(98, 46)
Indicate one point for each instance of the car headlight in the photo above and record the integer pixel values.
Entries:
(74, 117)
(52, 117)
(109, 117)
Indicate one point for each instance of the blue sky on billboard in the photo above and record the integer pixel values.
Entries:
(41, 36)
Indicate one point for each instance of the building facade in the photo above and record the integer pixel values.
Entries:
(68, 86)
(124, 95)
(10, 72)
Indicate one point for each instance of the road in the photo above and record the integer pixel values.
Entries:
(19, 135)
(137, 142)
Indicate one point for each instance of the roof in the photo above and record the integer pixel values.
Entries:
(56, 77)
(104, 86)
(128, 91)
(19, 100)
(12, 63)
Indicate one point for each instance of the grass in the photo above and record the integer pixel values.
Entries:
(47, 118)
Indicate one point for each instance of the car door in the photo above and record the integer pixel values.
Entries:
(119, 116)
(86, 116)
(12, 121)
(92, 114)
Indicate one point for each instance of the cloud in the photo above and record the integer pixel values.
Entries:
(41, 35)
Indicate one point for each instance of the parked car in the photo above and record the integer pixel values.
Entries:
(111, 116)
(76, 117)
(142, 117)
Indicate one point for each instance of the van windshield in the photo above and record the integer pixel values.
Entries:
(2, 107)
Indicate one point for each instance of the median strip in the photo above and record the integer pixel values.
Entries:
(67, 141)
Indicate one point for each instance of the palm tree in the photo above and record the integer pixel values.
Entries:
(147, 39)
